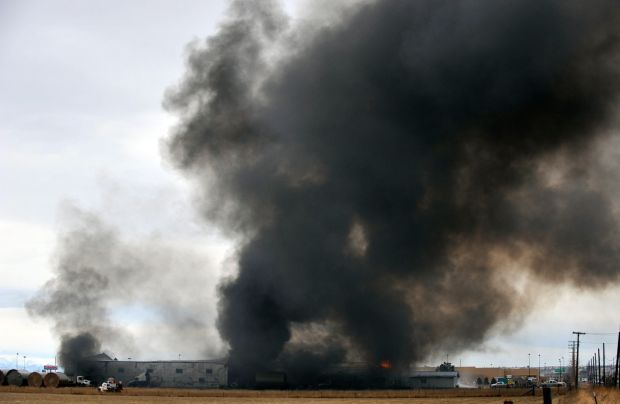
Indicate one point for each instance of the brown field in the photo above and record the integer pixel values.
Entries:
(10, 394)
(583, 396)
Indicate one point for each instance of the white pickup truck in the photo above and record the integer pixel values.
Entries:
(553, 383)
(81, 381)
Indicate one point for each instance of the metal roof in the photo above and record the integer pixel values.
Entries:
(434, 374)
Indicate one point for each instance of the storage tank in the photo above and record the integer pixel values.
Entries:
(35, 379)
(56, 379)
(17, 377)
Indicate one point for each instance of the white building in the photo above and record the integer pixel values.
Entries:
(433, 380)
(187, 373)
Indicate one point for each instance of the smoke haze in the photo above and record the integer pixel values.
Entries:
(392, 175)
(133, 297)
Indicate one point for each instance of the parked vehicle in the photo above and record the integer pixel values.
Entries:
(500, 384)
(553, 383)
(111, 385)
(81, 381)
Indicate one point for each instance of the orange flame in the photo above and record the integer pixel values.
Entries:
(385, 364)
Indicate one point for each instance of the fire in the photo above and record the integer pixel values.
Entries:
(385, 364)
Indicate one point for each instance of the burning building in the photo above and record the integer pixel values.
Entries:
(382, 174)
(217, 374)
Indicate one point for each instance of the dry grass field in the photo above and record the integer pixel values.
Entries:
(10, 394)
(586, 396)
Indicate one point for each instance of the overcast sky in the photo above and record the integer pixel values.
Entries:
(81, 88)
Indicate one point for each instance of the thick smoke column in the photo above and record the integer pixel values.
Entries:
(381, 173)
(108, 289)
(77, 298)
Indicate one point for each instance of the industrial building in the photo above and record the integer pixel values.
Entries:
(433, 380)
(177, 373)
(474, 376)
(216, 374)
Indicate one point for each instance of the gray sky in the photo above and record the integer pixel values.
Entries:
(80, 123)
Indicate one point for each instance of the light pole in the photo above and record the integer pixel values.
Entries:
(539, 367)
(24, 362)
(528, 365)
(560, 360)
(563, 364)
(17, 360)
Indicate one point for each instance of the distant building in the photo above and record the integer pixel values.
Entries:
(433, 380)
(186, 373)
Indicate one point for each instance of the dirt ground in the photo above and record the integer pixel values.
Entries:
(70, 398)
(9, 394)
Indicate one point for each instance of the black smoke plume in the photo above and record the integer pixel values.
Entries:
(382, 172)
(74, 348)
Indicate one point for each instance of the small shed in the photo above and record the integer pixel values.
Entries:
(433, 380)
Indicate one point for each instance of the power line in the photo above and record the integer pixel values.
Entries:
(599, 342)
(602, 333)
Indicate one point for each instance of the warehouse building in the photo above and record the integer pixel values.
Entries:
(216, 374)
(186, 373)
(433, 380)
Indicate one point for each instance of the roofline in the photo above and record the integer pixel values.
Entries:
(218, 361)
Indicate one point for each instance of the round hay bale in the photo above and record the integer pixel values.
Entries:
(56, 379)
(17, 378)
(35, 379)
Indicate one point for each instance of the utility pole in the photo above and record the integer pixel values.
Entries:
(599, 365)
(617, 365)
(603, 363)
(571, 346)
(594, 375)
(579, 333)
